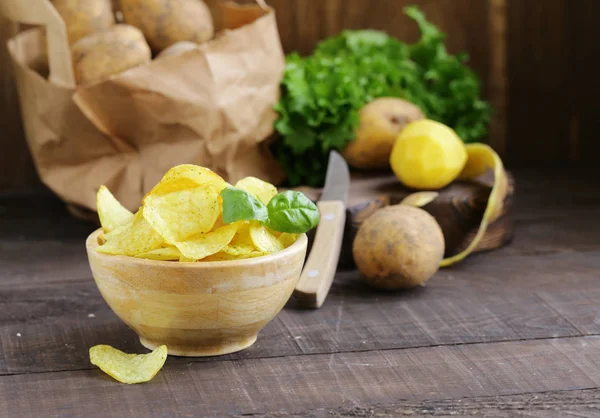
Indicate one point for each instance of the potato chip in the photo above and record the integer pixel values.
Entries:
(222, 256)
(111, 213)
(238, 249)
(187, 176)
(180, 215)
(262, 239)
(242, 235)
(287, 239)
(162, 254)
(132, 239)
(261, 189)
(128, 368)
(203, 245)
(480, 159)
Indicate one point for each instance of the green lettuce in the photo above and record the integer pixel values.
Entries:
(321, 94)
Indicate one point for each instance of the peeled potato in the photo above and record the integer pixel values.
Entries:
(166, 22)
(84, 17)
(101, 55)
(380, 122)
(398, 247)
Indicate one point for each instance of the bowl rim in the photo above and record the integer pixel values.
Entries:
(91, 243)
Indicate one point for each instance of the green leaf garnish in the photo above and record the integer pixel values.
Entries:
(239, 205)
(292, 212)
(289, 211)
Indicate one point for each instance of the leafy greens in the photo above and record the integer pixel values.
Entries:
(322, 93)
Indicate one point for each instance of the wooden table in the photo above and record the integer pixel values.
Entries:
(516, 331)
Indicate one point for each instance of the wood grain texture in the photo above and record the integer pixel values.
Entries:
(197, 309)
(580, 403)
(16, 167)
(304, 383)
(508, 333)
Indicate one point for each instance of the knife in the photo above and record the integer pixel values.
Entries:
(320, 267)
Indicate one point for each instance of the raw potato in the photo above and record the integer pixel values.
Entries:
(381, 120)
(101, 55)
(166, 22)
(84, 17)
(178, 48)
(398, 247)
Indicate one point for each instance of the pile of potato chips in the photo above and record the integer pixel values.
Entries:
(181, 220)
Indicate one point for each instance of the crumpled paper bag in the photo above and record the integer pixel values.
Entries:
(211, 106)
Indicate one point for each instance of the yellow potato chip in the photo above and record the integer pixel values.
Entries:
(223, 256)
(261, 189)
(287, 239)
(111, 213)
(187, 176)
(482, 158)
(238, 249)
(242, 236)
(180, 215)
(162, 254)
(262, 239)
(128, 368)
(132, 239)
(203, 245)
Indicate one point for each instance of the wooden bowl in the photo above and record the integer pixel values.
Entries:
(197, 309)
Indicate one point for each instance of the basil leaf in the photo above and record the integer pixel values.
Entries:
(292, 212)
(239, 205)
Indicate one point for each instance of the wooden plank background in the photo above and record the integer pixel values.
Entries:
(536, 59)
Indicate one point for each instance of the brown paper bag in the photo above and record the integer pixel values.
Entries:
(211, 106)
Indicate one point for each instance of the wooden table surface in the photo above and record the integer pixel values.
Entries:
(515, 331)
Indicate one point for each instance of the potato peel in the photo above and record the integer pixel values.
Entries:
(128, 368)
(480, 159)
(419, 199)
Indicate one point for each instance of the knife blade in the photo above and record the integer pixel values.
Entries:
(319, 270)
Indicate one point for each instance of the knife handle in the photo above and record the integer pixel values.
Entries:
(319, 270)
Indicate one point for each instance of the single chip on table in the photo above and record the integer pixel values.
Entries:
(182, 214)
(132, 239)
(128, 368)
(187, 176)
(203, 245)
(261, 189)
(168, 253)
(263, 240)
(110, 211)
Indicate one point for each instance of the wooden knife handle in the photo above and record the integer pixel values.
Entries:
(319, 270)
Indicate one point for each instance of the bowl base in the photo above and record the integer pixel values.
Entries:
(227, 347)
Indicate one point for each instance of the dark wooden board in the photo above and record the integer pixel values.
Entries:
(487, 299)
(521, 319)
(579, 403)
(305, 383)
(458, 209)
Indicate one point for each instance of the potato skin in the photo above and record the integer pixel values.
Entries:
(380, 122)
(84, 17)
(166, 22)
(398, 247)
(101, 55)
